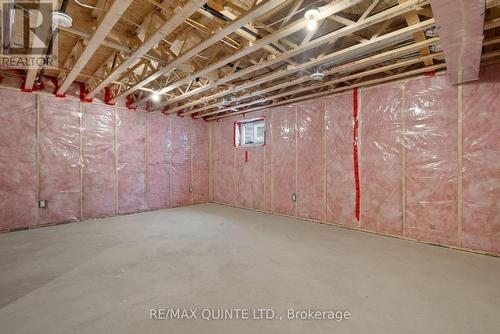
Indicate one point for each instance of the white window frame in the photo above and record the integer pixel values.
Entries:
(240, 128)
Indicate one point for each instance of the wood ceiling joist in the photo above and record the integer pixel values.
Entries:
(185, 12)
(36, 43)
(295, 7)
(494, 23)
(492, 3)
(221, 22)
(357, 76)
(273, 48)
(258, 11)
(491, 41)
(283, 32)
(110, 18)
(370, 8)
(338, 90)
(106, 67)
(73, 56)
(419, 36)
(344, 68)
(339, 54)
(99, 10)
(394, 11)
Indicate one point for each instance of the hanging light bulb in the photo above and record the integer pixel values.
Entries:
(155, 97)
(312, 24)
(311, 17)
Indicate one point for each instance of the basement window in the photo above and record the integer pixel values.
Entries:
(250, 132)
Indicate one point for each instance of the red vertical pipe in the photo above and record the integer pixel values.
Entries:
(355, 151)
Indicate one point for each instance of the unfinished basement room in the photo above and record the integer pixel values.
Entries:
(250, 166)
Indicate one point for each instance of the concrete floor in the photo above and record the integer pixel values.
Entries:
(104, 276)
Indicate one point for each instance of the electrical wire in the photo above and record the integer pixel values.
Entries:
(292, 14)
(86, 6)
(187, 21)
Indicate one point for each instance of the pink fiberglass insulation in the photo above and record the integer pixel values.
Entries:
(243, 181)
(200, 161)
(226, 179)
(99, 168)
(249, 174)
(257, 162)
(60, 160)
(216, 161)
(131, 161)
(249, 180)
(181, 160)
(481, 168)
(159, 156)
(461, 24)
(268, 149)
(310, 159)
(430, 139)
(407, 132)
(18, 197)
(380, 159)
(340, 186)
(284, 133)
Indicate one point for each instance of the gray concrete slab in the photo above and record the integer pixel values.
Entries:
(104, 276)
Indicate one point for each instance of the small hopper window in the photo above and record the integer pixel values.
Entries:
(250, 132)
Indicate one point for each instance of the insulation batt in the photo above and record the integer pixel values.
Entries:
(90, 160)
(412, 140)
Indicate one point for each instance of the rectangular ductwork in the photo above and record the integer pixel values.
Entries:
(460, 24)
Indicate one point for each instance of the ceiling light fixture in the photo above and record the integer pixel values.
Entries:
(60, 19)
(311, 17)
(317, 76)
(155, 97)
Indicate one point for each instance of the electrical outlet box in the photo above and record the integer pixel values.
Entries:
(42, 204)
(294, 197)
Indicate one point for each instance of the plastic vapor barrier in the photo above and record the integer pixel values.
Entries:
(181, 161)
(284, 159)
(18, 167)
(431, 170)
(200, 162)
(99, 161)
(88, 160)
(311, 160)
(60, 160)
(481, 162)
(130, 161)
(340, 197)
(426, 152)
(159, 154)
(381, 159)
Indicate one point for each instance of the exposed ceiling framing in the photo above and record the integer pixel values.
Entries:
(215, 59)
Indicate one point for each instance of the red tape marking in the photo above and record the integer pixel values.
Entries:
(355, 151)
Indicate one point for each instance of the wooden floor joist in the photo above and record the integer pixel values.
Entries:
(357, 26)
(177, 19)
(282, 33)
(419, 36)
(338, 90)
(354, 51)
(206, 58)
(353, 65)
(259, 10)
(109, 20)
